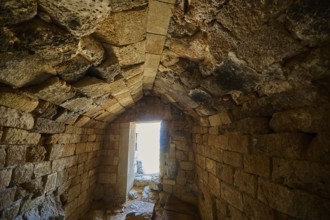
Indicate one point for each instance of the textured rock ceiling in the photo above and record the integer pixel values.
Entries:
(83, 60)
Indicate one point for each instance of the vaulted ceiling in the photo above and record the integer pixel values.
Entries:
(84, 60)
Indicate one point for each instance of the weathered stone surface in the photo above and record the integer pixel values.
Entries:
(77, 104)
(16, 100)
(110, 30)
(245, 182)
(18, 136)
(91, 49)
(35, 48)
(92, 87)
(12, 211)
(22, 173)
(53, 90)
(13, 12)
(5, 176)
(48, 126)
(73, 69)
(35, 154)
(79, 18)
(42, 169)
(2, 157)
(318, 149)
(16, 119)
(16, 155)
(305, 175)
(232, 196)
(130, 54)
(257, 164)
(159, 17)
(276, 196)
(7, 197)
(50, 182)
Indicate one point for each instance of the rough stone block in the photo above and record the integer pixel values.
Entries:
(318, 150)
(2, 157)
(245, 182)
(35, 154)
(42, 169)
(214, 184)
(7, 197)
(289, 145)
(305, 175)
(80, 18)
(68, 150)
(233, 159)
(255, 209)
(22, 174)
(18, 11)
(74, 192)
(134, 21)
(53, 90)
(50, 183)
(211, 166)
(16, 100)
(249, 126)
(47, 126)
(5, 177)
(92, 87)
(131, 54)
(77, 104)
(13, 118)
(18, 136)
(238, 143)
(225, 173)
(107, 178)
(276, 196)
(187, 165)
(257, 164)
(91, 49)
(16, 155)
(12, 211)
(232, 196)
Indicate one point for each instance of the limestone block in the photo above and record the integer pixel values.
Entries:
(42, 169)
(187, 165)
(16, 100)
(288, 145)
(309, 120)
(22, 174)
(18, 136)
(131, 54)
(78, 104)
(193, 49)
(82, 121)
(53, 90)
(133, 71)
(211, 166)
(232, 158)
(14, 12)
(257, 164)
(92, 87)
(155, 43)
(7, 197)
(80, 18)
(232, 196)
(2, 157)
(35, 154)
(318, 150)
(159, 16)
(151, 65)
(16, 155)
(50, 182)
(73, 69)
(91, 49)
(13, 118)
(74, 192)
(12, 211)
(214, 182)
(256, 209)
(49, 44)
(134, 22)
(43, 125)
(5, 176)
(225, 173)
(249, 126)
(125, 99)
(276, 196)
(312, 177)
(245, 182)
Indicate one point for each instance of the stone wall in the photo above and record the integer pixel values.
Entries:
(177, 171)
(47, 167)
(266, 159)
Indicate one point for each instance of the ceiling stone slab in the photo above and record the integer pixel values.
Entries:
(78, 104)
(53, 90)
(73, 69)
(91, 49)
(79, 17)
(131, 54)
(92, 87)
(123, 28)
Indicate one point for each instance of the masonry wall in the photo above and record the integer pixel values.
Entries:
(47, 163)
(177, 174)
(266, 159)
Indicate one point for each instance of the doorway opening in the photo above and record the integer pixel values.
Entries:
(147, 148)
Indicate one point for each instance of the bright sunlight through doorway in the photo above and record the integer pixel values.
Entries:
(147, 147)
